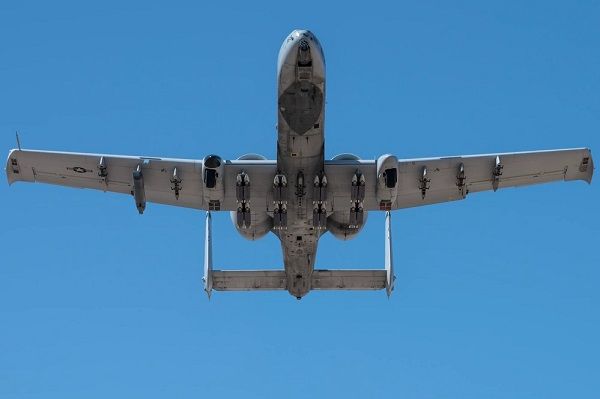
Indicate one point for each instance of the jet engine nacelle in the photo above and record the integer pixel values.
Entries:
(387, 181)
(213, 185)
(261, 224)
(338, 224)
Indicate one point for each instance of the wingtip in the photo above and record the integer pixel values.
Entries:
(10, 175)
(590, 174)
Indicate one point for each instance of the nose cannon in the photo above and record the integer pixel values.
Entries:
(304, 57)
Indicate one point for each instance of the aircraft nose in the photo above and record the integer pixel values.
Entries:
(302, 48)
(305, 41)
(299, 33)
(304, 45)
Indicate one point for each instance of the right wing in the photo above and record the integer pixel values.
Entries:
(81, 170)
(441, 182)
(482, 173)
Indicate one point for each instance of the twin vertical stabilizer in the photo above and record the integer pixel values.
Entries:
(321, 279)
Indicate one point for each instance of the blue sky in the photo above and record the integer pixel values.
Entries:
(496, 296)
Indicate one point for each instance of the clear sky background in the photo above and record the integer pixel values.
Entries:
(497, 296)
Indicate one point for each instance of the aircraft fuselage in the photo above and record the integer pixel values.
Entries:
(300, 151)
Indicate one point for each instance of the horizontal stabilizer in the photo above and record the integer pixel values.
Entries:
(260, 280)
(248, 280)
(348, 279)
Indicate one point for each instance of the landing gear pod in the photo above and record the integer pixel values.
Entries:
(345, 225)
(213, 185)
(250, 224)
(387, 181)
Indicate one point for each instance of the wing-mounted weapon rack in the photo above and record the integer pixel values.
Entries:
(242, 196)
(319, 201)
(175, 183)
(424, 181)
(280, 194)
(496, 173)
(357, 196)
(461, 180)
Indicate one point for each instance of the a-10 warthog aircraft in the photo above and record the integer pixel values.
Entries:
(300, 195)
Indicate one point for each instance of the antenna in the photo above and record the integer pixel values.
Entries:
(18, 141)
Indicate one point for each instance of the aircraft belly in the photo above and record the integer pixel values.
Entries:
(300, 158)
(299, 239)
(300, 152)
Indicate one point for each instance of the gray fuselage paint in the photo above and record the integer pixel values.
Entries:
(300, 150)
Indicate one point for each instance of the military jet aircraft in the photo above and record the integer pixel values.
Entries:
(299, 196)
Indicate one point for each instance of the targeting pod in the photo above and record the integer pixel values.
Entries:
(139, 194)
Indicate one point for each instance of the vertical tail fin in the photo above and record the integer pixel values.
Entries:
(389, 264)
(208, 278)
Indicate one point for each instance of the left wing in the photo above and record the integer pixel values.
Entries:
(178, 182)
